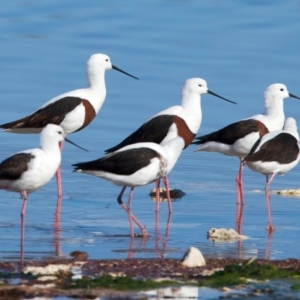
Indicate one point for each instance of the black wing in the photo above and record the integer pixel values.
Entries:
(230, 134)
(53, 113)
(283, 148)
(13, 167)
(121, 163)
(155, 130)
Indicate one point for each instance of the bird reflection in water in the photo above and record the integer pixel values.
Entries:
(160, 241)
(56, 227)
(238, 224)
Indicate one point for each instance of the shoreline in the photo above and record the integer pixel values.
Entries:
(126, 277)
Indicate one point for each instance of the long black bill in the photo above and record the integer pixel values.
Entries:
(210, 92)
(115, 68)
(293, 96)
(67, 140)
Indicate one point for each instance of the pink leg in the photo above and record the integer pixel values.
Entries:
(58, 180)
(239, 218)
(23, 212)
(119, 199)
(129, 212)
(238, 194)
(166, 182)
(157, 184)
(239, 185)
(270, 227)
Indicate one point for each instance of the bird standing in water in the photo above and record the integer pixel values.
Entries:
(177, 121)
(277, 152)
(73, 110)
(238, 138)
(135, 165)
(29, 170)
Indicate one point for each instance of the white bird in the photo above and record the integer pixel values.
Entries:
(238, 138)
(181, 120)
(29, 170)
(135, 165)
(73, 110)
(277, 152)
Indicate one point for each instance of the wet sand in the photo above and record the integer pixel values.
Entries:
(168, 269)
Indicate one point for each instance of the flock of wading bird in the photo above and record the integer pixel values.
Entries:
(267, 142)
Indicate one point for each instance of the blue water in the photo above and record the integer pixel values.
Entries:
(238, 47)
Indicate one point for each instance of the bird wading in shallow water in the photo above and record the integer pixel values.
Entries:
(29, 170)
(238, 138)
(277, 152)
(73, 110)
(135, 165)
(177, 121)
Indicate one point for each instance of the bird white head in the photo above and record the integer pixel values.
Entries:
(96, 66)
(198, 86)
(278, 91)
(51, 135)
(274, 95)
(195, 85)
(99, 61)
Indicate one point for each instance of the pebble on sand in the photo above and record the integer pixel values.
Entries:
(50, 269)
(289, 192)
(224, 234)
(174, 194)
(193, 258)
(295, 193)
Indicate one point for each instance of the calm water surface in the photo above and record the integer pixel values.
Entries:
(239, 48)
